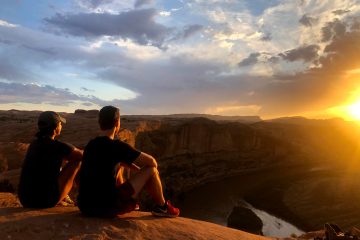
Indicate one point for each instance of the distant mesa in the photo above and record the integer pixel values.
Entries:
(82, 111)
(219, 118)
(303, 120)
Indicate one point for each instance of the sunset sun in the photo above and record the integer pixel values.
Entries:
(354, 110)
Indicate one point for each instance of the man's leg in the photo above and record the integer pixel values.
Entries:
(66, 178)
(148, 176)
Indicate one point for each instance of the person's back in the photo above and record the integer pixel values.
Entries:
(42, 182)
(102, 190)
(98, 188)
(38, 182)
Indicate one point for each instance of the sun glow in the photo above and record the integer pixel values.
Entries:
(347, 112)
(354, 110)
(350, 109)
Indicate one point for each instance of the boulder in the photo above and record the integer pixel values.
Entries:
(244, 219)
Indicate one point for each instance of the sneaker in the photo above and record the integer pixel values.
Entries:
(137, 207)
(67, 201)
(167, 211)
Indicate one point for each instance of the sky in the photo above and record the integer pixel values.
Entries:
(269, 58)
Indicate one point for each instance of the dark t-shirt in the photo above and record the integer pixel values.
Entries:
(97, 190)
(38, 185)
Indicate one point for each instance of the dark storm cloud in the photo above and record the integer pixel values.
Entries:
(333, 29)
(139, 3)
(307, 21)
(138, 25)
(252, 59)
(304, 53)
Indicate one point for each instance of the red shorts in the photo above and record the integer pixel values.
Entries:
(124, 201)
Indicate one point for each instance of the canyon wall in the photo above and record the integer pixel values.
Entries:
(193, 151)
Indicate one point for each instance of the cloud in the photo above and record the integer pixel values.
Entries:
(316, 88)
(46, 94)
(304, 53)
(33, 93)
(333, 29)
(188, 31)
(307, 21)
(191, 76)
(340, 11)
(266, 37)
(138, 25)
(93, 3)
(87, 90)
(14, 72)
(7, 24)
(250, 60)
(140, 3)
(191, 29)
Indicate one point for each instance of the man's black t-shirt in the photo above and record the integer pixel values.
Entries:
(38, 187)
(97, 190)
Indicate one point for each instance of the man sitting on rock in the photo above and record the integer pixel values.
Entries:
(102, 192)
(43, 181)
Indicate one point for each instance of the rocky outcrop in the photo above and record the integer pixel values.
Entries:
(199, 150)
(244, 219)
(11, 155)
(68, 223)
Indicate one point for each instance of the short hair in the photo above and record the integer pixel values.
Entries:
(108, 116)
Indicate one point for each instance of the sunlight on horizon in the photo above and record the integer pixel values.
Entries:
(349, 112)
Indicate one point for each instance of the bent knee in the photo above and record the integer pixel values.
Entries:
(153, 170)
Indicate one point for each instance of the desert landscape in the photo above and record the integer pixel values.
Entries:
(298, 170)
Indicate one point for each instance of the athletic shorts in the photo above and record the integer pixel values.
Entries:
(125, 203)
(121, 204)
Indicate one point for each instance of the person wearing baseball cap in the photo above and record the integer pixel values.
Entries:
(43, 181)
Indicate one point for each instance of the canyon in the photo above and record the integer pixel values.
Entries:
(275, 158)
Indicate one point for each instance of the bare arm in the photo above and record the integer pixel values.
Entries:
(75, 156)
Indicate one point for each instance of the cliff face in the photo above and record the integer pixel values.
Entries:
(200, 150)
(193, 151)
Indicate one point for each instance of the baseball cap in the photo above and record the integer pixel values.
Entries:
(49, 119)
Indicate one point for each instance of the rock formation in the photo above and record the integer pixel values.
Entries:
(68, 223)
(244, 219)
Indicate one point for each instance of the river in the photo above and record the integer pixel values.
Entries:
(213, 202)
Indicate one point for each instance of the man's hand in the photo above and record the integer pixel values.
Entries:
(133, 166)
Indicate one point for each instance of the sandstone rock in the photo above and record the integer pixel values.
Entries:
(68, 223)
